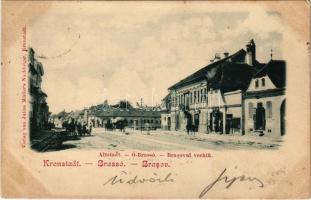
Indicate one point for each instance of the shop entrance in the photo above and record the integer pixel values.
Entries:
(216, 121)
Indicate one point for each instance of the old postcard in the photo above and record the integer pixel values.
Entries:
(155, 99)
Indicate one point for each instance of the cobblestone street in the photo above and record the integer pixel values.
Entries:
(166, 140)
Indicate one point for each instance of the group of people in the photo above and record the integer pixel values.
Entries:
(76, 128)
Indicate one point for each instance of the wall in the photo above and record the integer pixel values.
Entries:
(273, 123)
(141, 121)
(164, 121)
(268, 84)
(215, 99)
(198, 86)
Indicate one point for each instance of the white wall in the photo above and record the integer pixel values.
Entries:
(272, 123)
(233, 98)
(198, 86)
(215, 98)
(268, 84)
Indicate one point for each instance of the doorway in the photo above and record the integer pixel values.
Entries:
(260, 117)
(168, 123)
(196, 121)
(216, 121)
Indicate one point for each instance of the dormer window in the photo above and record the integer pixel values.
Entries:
(256, 84)
(263, 82)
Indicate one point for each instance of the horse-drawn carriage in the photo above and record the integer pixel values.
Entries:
(75, 128)
(116, 123)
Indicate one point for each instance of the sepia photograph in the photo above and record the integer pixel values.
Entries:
(136, 86)
(155, 99)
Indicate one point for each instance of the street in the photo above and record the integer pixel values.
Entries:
(166, 140)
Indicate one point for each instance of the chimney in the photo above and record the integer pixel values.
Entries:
(226, 54)
(217, 56)
(250, 53)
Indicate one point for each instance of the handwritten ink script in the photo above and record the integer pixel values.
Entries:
(135, 179)
(224, 179)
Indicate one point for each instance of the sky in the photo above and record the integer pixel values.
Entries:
(92, 51)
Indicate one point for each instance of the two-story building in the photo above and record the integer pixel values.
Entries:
(212, 98)
(208, 94)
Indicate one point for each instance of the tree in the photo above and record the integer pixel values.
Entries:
(106, 102)
(123, 104)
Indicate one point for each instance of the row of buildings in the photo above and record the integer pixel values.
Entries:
(233, 94)
(38, 107)
(103, 114)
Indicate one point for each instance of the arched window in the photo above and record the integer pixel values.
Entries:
(250, 109)
(263, 82)
(256, 84)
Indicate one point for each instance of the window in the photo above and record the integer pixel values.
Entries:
(250, 110)
(263, 82)
(195, 97)
(256, 84)
(190, 97)
(198, 99)
(202, 95)
(269, 109)
(151, 121)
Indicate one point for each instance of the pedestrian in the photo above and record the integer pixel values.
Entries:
(90, 129)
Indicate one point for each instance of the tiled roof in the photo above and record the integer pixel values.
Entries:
(276, 70)
(127, 113)
(231, 76)
(200, 74)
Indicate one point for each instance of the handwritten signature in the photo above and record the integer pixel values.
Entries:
(135, 179)
(229, 182)
(127, 178)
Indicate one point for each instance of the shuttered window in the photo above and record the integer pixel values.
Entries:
(269, 109)
(250, 110)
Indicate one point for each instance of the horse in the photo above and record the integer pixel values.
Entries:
(108, 126)
(120, 125)
(190, 128)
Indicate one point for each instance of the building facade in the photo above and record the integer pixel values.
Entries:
(135, 118)
(213, 98)
(265, 101)
(38, 109)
